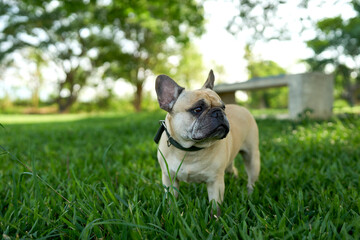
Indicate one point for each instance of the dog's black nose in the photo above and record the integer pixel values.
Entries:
(217, 113)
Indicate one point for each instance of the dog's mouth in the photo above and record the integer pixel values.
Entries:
(222, 131)
(217, 133)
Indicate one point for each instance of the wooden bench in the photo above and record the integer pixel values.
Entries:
(312, 92)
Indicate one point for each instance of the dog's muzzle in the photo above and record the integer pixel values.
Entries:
(221, 131)
(215, 126)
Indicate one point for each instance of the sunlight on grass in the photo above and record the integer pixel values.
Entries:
(19, 119)
(273, 112)
(353, 110)
(106, 167)
(44, 118)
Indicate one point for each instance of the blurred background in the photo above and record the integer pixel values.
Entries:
(104, 55)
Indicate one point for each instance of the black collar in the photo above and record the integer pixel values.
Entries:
(170, 140)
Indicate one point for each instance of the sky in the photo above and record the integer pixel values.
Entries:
(218, 46)
(228, 50)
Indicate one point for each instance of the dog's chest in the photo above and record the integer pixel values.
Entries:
(194, 171)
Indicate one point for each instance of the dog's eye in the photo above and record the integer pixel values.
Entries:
(197, 110)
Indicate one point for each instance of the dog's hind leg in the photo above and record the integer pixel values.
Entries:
(252, 166)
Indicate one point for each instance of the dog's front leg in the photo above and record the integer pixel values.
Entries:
(167, 183)
(216, 192)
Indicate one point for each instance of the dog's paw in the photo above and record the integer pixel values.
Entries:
(215, 207)
(217, 215)
(250, 190)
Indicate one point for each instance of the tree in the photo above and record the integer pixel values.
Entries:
(155, 30)
(36, 77)
(337, 46)
(185, 66)
(275, 98)
(30, 65)
(130, 38)
(261, 19)
(55, 28)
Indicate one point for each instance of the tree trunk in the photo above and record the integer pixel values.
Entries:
(264, 99)
(354, 91)
(36, 91)
(138, 96)
(66, 103)
(35, 98)
(349, 95)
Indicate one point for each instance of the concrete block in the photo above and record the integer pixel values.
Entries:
(312, 92)
(308, 92)
(228, 97)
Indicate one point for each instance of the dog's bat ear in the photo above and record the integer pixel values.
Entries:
(210, 80)
(167, 91)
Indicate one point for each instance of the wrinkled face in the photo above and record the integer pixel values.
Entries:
(199, 116)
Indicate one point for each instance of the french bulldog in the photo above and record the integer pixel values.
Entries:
(201, 137)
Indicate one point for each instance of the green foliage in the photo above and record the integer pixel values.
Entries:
(106, 167)
(191, 67)
(5, 103)
(187, 68)
(119, 39)
(271, 98)
(337, 44)
(114, 104)
(148, 27)
(264, 19)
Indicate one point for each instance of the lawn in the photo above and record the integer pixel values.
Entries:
(96, 176)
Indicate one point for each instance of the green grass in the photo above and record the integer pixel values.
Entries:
(106, 167)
